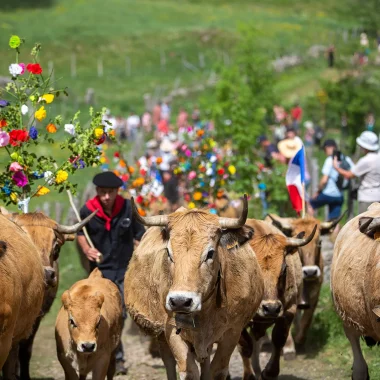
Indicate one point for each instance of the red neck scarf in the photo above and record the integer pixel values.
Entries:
(94, 204)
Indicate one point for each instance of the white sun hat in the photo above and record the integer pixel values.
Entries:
(368, 140)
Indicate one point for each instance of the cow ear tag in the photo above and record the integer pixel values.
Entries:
(376, 311)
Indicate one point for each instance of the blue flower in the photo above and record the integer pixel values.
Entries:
(6, 190)
(3, 103)
(38, 175)
(33, 133)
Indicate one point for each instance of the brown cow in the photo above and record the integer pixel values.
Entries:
(48, 237)
(22, 288)
(282, 272)
(88, 328)
(194, 282)
(355, 280)
(312, 267)
(224, 208)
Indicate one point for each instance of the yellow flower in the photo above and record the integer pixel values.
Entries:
(40, 114)
(61, 176)
(48, 98)
(103, 160)
(14, 42)
(197, 196)
(42, 190)
(232, 169)
(98, 133)
(51, 128)
(13, 197)
(191, 205)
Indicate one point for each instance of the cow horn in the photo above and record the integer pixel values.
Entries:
(369, 225)
(233, 222)
(294, 242)
(280, 223)
(149, 221)
(329, 225)
(76, 227)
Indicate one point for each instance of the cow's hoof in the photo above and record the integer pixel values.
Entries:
(249, 377)
(265, 376)
(290, 355)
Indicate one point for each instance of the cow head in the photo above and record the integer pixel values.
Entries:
(83, 307)
(48, 236)
(196, 242)
(272, 251)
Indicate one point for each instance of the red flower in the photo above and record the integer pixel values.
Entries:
(139, 199)
(3, 123)
(18, 136)
(125, 177)
(221, 171)
(34, 68)
(101, 140)
(142, 172)
(116, 154)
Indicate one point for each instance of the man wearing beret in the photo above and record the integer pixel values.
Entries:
(112, 232)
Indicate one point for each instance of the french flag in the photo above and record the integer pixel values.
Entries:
(295, 179)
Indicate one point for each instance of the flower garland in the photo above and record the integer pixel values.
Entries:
(26, 121)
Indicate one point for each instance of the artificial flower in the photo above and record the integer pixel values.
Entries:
(101, 140)
(37, 175)
(23, 66)
(20, 179)
(40, 114)
(197, 196)
(159, 160)
(61, 176)
(125, 177)
(15, 167)
(34, 68)
(122, 163)
(4, 103)
(18, 136)
(192, 175)
(3, 123)
(14, 156)
(191, 205)
(49, 178)
(116, 154)
(220, 171)
(33, 133)
(13, 197)
(188, 153)
(232, 169)
(143, 171)
(141, 211)
(42, 190)
(15, 69)
(200, 132)
(131, 169)
(70, 129)
(24, 109)
(4, 139)
(103, 160)
(6, 190)
(47, 97)
(98, 133)
(139, 199)
(112, 133)
(14, 42)
(51, 128)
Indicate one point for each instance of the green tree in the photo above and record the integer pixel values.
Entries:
(243, 97)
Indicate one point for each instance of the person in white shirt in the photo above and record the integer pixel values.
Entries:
(367, 169)
(133, 123)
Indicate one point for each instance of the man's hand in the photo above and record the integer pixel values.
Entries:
(92, 254)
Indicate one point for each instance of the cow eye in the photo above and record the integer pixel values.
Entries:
(72, 323)
(210, 254)
(169, 255)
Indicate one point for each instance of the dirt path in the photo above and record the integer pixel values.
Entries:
(143, 367)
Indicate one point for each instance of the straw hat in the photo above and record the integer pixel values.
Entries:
(289, 147)
(166, 146)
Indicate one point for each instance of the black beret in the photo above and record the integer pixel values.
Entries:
(107, 179)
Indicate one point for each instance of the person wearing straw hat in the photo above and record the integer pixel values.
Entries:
(113, 231)
(291, 145)
(367, 169)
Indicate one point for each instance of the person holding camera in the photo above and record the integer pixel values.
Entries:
(331, 185)
(367, 169)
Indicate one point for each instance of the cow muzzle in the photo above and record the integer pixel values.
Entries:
(183, 302)
(87, 347)
(270, 309)
(50, 277)
(311, 272)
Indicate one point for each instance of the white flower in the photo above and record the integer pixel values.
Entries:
(24, 109)
(209, 171)
(15, 69)
(213, 158)
(69, 128)
(49, 177)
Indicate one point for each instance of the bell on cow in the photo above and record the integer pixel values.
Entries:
(305, 301)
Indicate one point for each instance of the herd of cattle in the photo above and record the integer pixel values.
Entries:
(197, 281)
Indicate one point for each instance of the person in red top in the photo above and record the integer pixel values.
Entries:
(296, 113)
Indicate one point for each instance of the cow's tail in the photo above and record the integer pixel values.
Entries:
(3, 248)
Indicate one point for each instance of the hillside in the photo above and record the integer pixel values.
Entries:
(150, 46)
